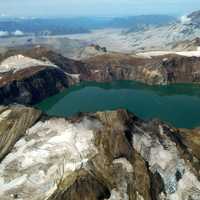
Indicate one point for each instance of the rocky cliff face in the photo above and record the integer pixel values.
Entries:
(159, 69)
(40, 73)
(106, 155)
(28, 77)
(33, 85)
(14, 121)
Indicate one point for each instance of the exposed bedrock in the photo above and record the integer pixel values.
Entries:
(33, 85)
(14, 121)
(27, 77)
(105, 155)
(39, 73)
(154, 70)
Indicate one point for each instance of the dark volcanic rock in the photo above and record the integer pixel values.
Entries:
(30, 88)
(34, 83)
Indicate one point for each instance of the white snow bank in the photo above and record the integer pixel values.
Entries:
(151, 54)
(49, 152)
(19, 62)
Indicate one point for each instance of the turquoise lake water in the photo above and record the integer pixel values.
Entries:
(178, 105)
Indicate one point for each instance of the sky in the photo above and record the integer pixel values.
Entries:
(61, 8)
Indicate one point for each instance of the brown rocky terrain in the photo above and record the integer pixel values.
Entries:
(105, 155)
(34, 83)
(163, 69)
(110, 155)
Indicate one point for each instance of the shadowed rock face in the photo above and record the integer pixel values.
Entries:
(14, 121)
(33, 85)
(105, 155)
(85, 187)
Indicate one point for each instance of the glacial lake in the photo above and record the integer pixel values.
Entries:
(177, 105)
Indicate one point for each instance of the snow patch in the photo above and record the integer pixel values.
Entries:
(151, 54)
(49, 152)
(19, 62)
(164, 159)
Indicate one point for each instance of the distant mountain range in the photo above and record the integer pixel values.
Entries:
(136, 22)
(186, 30)
(180, 34)
(77, 25)
(125, 34)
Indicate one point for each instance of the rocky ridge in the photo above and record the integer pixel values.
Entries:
(105, 155)
(28, 77)
(39, 73)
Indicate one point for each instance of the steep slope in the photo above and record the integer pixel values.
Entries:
(29, 76)
(151, 67)
(106, 155)
(14, 122)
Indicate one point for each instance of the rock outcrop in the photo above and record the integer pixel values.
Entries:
(153, 70)
(31, 76)
(14, 121)
(105, 155)
(90, 51)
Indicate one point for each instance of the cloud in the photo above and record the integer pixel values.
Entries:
(2, 15)
(4, 33)
(185, 19)
(18, 33)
